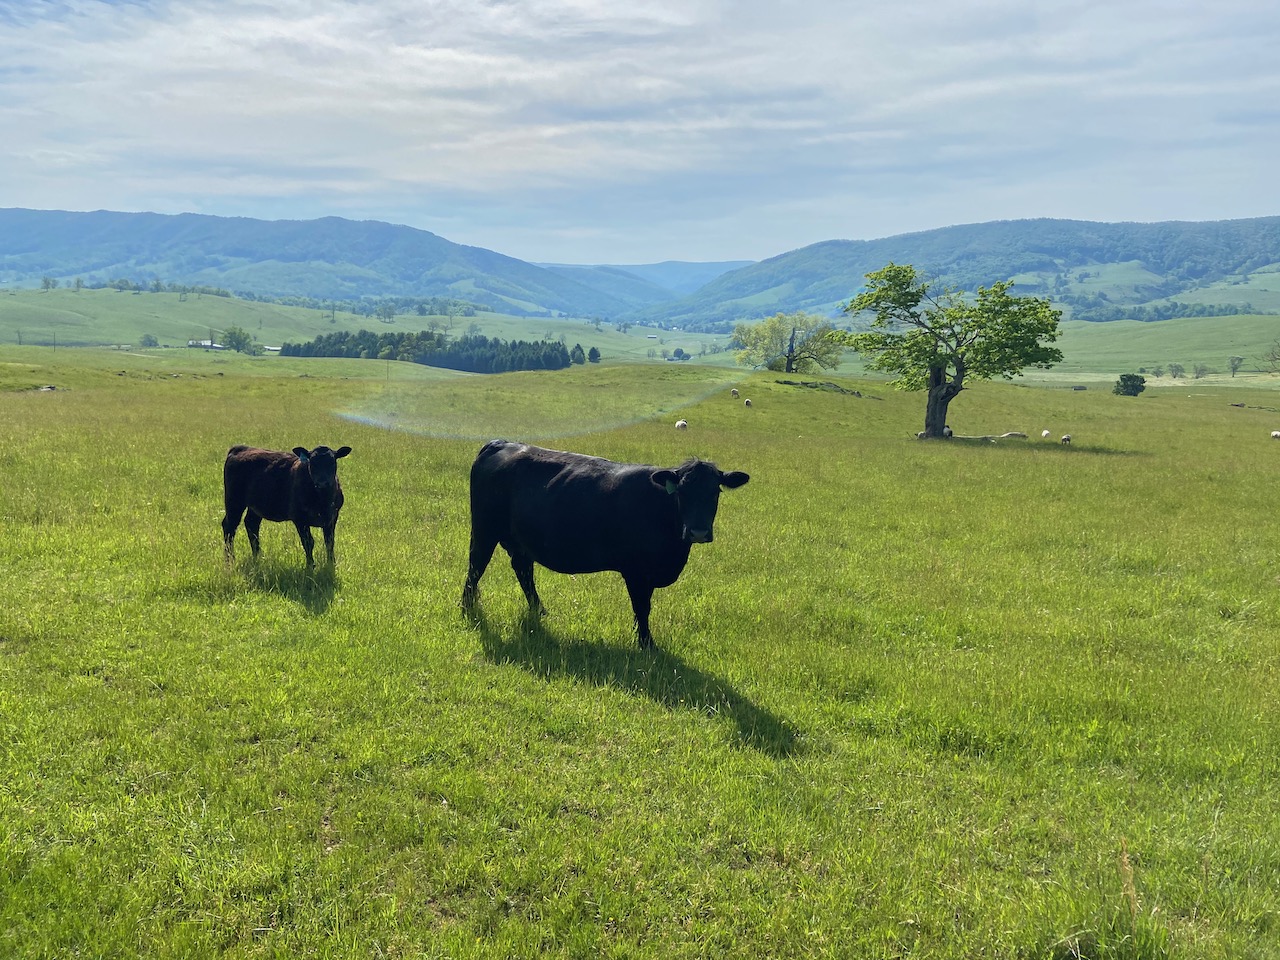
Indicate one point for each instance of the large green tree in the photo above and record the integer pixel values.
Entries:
(936, 340)
(238, 339)
(789, 343)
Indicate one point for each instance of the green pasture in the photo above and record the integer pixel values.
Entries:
(944, 700)
(113, 318)
(1260, 289)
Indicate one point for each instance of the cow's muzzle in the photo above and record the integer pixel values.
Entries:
(698, 536)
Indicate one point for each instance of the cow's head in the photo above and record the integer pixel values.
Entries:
(696, 484)
(321, 464)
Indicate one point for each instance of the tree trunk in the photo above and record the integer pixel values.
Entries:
(941, 393)
(791, 353)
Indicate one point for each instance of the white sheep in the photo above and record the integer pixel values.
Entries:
(682, 424)
(734, 393)
(1275, 434)
(746, 402)
(1044, 434)
(1066, 439)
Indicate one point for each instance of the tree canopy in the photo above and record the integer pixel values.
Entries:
(476, 354)
(936, 340)
(790, 343)
(238, 339)
(1129, 385)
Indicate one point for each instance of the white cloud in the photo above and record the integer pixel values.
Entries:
(601, 130)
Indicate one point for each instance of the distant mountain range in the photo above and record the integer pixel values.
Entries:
(1093, 270)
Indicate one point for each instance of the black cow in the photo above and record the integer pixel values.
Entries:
(579, 514)
(301, 486)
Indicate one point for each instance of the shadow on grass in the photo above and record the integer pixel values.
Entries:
(313, 589)
(661, 676)
(1051, 447)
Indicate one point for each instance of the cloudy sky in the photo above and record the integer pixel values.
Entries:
(603, 131)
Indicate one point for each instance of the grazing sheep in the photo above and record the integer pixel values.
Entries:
(734, 393)
(746, 402)
(682, 424)
(1275, 434)
(1066, 439)
(1044, 434)
(946, 430)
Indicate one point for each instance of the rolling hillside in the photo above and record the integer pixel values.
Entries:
(328, 258)
(1094, 271)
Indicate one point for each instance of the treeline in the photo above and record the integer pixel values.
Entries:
(1097, 307)
(384, 307)
(474, 354)
(125, 285)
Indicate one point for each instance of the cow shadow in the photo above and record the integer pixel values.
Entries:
(312, 589)
(663, 677)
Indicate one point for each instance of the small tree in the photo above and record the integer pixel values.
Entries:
(593, 355)
(1176, 370)
(1233, 364)
(789, 343)
(1130, 385)
(149, 340)
(1199, 370)
(48, 283)
(936, 341)
(576, 355)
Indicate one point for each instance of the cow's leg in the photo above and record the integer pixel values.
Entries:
(329, 530)
(308, 541)
(231, 523)
(641, 602)
(477, 561)
(252, 522)
(523, 566)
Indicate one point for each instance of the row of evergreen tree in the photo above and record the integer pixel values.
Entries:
(473, 353)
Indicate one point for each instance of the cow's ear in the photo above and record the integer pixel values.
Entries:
(341, 452)
(734, 478)
(301, 453)
(666, 479)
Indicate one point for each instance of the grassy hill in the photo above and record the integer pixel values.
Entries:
(1093, 352)
(107, 317)
(1096, 271)
(1099, 271)
(672, 277)
(930, 699)
(327, 258)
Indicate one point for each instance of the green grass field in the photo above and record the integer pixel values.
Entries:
(931, 700)
(109, 317)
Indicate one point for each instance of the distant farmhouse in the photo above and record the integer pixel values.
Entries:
(205, 345)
